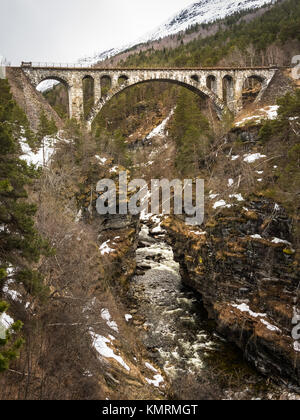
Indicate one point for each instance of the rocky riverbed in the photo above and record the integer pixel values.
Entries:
(174, 326)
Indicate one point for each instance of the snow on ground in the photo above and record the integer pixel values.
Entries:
(128, 317)
(252, 157)
(221, 204)
(273, 241)
(114, 170)
(233, 158)
(156, 381)
(105, 315)
(105, 248)
(13, 294)
(280, 241)
(149, 366)
(266, 113)
(270, 326)
(5, 323)
(42, 156)
(256, 236)
(238, 197)
(230, 182)
(198, 233)
(160, 130)
(245, 308)
(100, 344)
(102, 160)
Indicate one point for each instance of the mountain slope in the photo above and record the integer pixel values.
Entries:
(202, 12)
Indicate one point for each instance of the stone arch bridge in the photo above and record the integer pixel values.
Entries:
(224, 86)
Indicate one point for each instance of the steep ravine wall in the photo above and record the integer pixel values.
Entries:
(30, 100)
(249, 284)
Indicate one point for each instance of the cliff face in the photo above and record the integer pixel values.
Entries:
(29, 99)
(248, 278)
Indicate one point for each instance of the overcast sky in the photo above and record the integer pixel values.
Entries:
(65, 30)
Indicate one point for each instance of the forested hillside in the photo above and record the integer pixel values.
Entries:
(271, 38)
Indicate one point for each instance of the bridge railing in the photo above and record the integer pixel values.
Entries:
(55, 65)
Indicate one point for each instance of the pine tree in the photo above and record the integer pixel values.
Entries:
(20, 244)
(10, 342)
(191, 132)
(46, 127)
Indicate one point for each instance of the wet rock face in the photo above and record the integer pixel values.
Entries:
(247, 272)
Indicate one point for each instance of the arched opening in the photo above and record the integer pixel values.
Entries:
(195, 78)
(56, 92)
(122, 79)
(203, 92)
(120, 99)
(251, 89)
(88, 94)
(105, 82)
(134, 122)
(228, 90)
(211, 83)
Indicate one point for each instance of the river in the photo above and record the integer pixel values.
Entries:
(180, 339)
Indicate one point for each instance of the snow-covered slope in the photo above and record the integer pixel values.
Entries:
(204, 11)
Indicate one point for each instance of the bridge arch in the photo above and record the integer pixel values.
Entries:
(60, 102)
(228, 90)
(252, 87)
(51, 76)
(106, 84)
(195, 78)
(88, 91)
(211, 83)
(194, 86)
(122, 79)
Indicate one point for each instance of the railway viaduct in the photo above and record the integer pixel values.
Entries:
(224, 86)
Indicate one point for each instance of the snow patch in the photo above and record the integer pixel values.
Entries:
(43, 156)
(156, 381)
(280, 241)
(256, 236)
(5, 323)
(252, 157)
(270, 326)
(101, 160)
(198, 233)
(236, 157)
(221, 204)
(100, 344)
(149, 366)
(105, 248)
(238, 197)
(160, 130)
(105, 315)
(245, 308)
